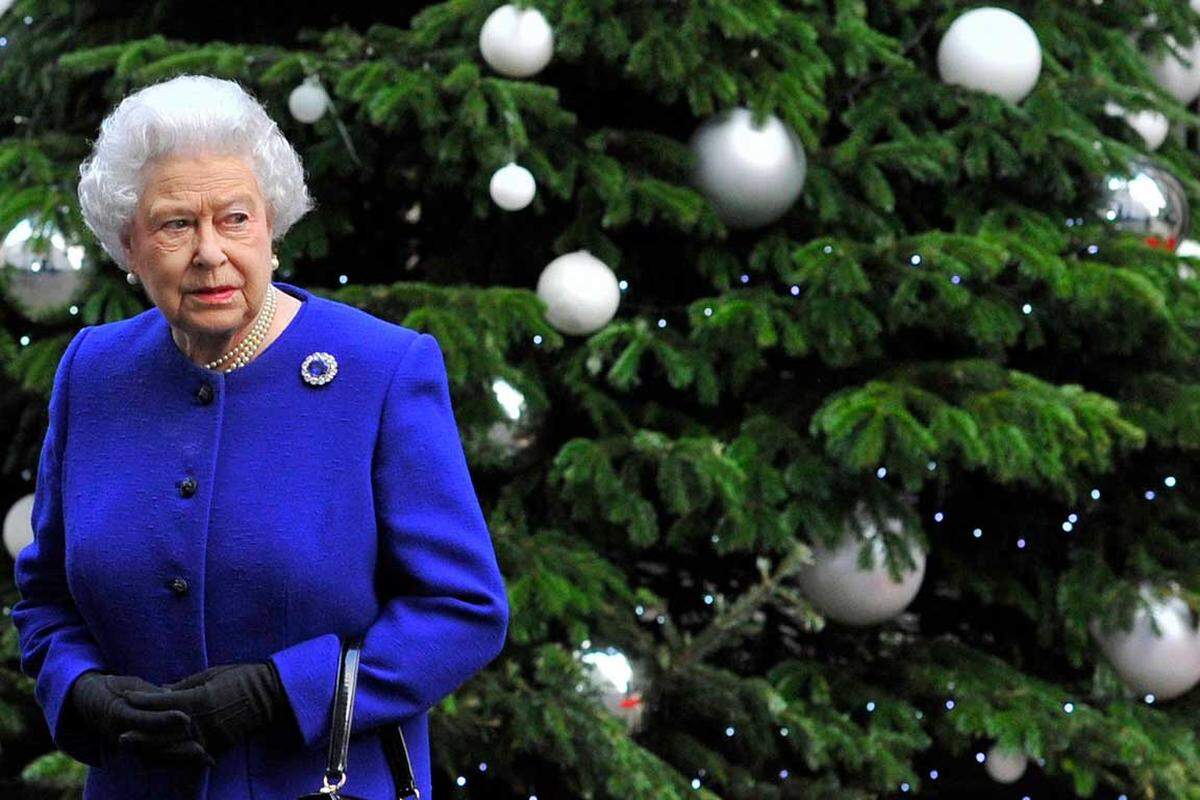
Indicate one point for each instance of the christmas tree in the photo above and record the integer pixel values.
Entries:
(827, 371)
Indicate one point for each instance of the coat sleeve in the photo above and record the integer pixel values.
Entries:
(454, 621)
(55, 644)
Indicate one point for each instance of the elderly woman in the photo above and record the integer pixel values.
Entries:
(235, 480)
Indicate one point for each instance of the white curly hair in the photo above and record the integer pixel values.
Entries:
(187, 114)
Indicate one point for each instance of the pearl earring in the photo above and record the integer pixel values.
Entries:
(274, 261)
(131, 278)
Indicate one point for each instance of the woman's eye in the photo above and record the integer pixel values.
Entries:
(240, 214)
(172, 222)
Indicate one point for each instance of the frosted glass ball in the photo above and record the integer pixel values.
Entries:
(844, 592)
(992, 50)
(1152, 125)
(1167, 665)
(512, 187)
(516, 43)
(751, 175)
(18, 525)
(1005, 766)
(581, 293)
(308, 102)
(1180, 80)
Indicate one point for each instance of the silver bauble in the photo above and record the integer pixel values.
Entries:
(620, 684)
(1166, 665)
(750, 175)
(509, 442)
(43, 271)
(853, 596)
(1148, 201)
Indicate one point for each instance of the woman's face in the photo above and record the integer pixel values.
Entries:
(202, 223)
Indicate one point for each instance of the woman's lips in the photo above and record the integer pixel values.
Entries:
(215, 297)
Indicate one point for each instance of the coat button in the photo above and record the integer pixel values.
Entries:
(187, 486)
(205, 394)
(179, 585)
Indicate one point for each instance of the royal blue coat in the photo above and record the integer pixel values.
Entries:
(178, 527)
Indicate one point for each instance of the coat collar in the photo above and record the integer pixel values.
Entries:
(279, 362)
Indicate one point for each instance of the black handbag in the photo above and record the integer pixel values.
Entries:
(392, 736)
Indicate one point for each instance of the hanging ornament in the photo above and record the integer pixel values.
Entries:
(42, 271)
(509, 443)
(621, 690)
(1188, 248)
(1148, 201)
(1180, 80)
(843, 591)
(1005, 766)
(581, 293)
(751, 175)
(1152, 125)
(18, 525)
(516, 43)
(992, 50)
(1164, 664)
(309, 101)
(512, 187)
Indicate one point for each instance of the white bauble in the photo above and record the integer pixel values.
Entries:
(842, 591)
(752, 176)
(1152, 125)
(581, 293)
(992, 50)
(18, 525)
(512, 187)
(308, 102)
(1181, 81)
(43, 270)
(1005, 766)
(516, 43)
(1188, 248)
(1166, 665)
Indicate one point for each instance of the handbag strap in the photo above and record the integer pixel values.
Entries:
(392, 737)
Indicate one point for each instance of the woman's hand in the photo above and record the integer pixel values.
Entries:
(226, 702)
(100, 701)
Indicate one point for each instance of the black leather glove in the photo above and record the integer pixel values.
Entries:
(227, 703)
(99, 701)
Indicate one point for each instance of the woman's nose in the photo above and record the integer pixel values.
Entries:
(209, 244)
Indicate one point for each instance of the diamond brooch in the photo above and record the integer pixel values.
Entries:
(318, 369)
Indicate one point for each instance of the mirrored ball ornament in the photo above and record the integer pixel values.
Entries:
(43, 270)
(1148, 201)
(510, 441)
(1164, 664)
(750, 174)
(852, 595)
(621, 686)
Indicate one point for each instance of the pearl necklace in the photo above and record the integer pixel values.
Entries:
(244, 352)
